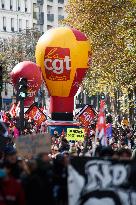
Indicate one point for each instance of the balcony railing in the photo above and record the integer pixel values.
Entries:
(50, 17)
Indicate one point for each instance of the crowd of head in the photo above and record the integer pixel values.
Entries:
(121, 145)
(42, 179)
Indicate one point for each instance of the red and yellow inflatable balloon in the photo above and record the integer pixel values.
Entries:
(64, 56)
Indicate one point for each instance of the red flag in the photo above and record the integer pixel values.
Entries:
(86, 116)
(5, 117)
(12, 110)
(36, 114)
(101, 125)
(17, 110)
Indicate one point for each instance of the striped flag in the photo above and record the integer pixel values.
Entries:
(101, 125)
(12, 110)
(17, 109)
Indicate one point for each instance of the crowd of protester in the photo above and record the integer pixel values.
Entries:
(43, 178)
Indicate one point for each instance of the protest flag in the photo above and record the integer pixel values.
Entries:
(101, 125)
(12, 110)
(36, 114)
(17, 110)
(109, 130)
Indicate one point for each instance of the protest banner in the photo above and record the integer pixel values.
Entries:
(36, 114)
(101, 182)
(86, 116)
(33, 144)
(75, 134)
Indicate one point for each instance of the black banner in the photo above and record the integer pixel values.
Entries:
(101, 182)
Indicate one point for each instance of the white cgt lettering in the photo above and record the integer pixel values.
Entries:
(57, 65)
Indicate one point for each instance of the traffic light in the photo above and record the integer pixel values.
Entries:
(102, 96)
(1, 78)
(22, 88)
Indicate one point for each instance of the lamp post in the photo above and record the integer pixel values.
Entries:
(22, 92)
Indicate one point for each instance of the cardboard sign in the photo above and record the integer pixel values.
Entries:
(36, 114)
(75, 134)
(33, 144)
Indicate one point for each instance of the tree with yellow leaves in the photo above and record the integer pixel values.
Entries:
(111, 27)
(17, 48)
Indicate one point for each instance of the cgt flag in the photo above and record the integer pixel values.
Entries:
(101, 125)
(36, 114)
(86, 116)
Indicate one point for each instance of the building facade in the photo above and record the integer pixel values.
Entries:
(48, 13)
(19, 15)
(15, 16)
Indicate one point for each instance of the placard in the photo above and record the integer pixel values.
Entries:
(101, 182)
(33, 144)
(75, 134)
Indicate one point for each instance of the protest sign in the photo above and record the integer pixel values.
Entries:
(75, 134)
(33, 144)
(36, 114)
(101, 182)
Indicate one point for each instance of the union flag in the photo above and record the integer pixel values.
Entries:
(36, 114)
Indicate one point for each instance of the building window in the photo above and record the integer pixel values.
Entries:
(19, 5)
(27, 24)
(4, 23)
(50, 17)
(60, 10)
(60, 17)
(12, 24)
(49, 9)
(11, 4)
(25, 5)
(20, 24)
(34, 25)
(2, 4)
(61, 1)
(49, 27)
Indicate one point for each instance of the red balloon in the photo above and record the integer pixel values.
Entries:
(32, 72)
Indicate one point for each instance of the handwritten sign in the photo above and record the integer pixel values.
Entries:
(33, 144)
(105, 182)
(75, 134)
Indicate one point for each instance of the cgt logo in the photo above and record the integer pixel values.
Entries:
(57, 63)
